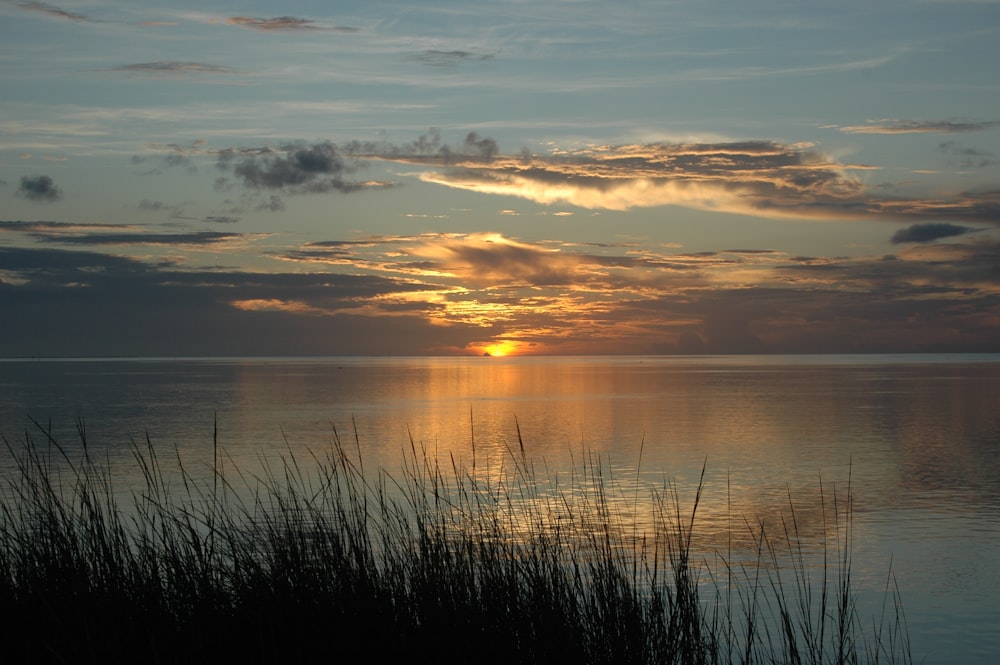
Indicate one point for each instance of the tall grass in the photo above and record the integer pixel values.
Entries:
(459, 564)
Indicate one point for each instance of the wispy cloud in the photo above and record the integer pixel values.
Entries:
(53, 11)
(442, 58)
(283, 23)
(171, 68)
(277, 23)
(918, 127)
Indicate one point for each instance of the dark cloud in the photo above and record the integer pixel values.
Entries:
(928, 232)
(437, 58)
(171, 67)
(221, 219)
(317, 168)
(56, 12)
(297, 169)
(54, 227)
(481, 146)
(918, 127)
(114, 234)
(133, 308)
(140, 238)
(39, 188)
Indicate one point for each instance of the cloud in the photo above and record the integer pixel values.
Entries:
(918, 127)
(176, 156)
(300, 169)
(759, 178)
(929, 232)
(274, 203)
(365, 295)
(140, 238)
(283, 23)
(116, 234)
(39, 188)
(277, 23)
(972, 157)
(429, 148)
(146, 204)
(54, 227)
(134, 308)
(56, 12)
(438, 58)
(489, 259)
(171, 68)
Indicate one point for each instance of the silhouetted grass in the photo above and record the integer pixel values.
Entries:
(455, 564)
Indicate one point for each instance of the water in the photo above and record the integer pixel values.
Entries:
(915, 437)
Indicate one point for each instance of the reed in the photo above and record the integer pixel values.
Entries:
(460, 564)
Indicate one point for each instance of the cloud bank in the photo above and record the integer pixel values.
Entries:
(760, 178)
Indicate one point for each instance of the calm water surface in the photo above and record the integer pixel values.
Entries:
(916, 437)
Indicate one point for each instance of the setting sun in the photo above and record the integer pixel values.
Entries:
(500, 349)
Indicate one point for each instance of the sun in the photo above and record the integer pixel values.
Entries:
(499, 349)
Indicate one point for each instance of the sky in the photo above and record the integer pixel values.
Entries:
(508, 177)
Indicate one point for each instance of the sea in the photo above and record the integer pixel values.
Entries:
(911, 443)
